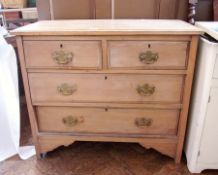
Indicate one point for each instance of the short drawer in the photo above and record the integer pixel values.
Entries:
(56, 87)
(147, 55)
(100, 120)
(63, 54)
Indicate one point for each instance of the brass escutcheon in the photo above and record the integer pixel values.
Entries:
(143, 122)
(61, 57)
(71, 121)
(145, 89)
(148, 57)
(66, 89)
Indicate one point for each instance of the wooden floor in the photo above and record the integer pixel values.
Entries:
(90, 158)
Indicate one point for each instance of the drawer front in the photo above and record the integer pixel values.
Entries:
(147, 55)
(63, 54)
(99, 120)
(54, 87)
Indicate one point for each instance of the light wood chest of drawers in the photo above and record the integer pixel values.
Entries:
(108, 80)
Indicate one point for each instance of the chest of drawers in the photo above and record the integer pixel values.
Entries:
(108, 80)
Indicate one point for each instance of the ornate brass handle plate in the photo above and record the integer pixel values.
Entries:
(148, 57)
(71, 121)
(62, 58)
(143, 122)
(146, 89)
(66, 89)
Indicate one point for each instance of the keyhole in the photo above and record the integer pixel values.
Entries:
(149, 46)
(105, 77)
(61, 45)
(106, 109)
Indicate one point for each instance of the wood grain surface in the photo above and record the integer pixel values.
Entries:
(107, 120)
(85, 54)
(125, 54)
(108, 27)
(114, 88)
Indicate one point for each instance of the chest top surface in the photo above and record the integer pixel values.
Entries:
(109, 27)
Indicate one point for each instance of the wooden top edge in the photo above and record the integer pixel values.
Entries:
(108, 27)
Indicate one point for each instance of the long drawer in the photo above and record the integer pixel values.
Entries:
(100, 120)
(60, 87)
(147, 54)
(63, 54)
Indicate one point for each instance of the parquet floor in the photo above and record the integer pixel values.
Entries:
(92, 158)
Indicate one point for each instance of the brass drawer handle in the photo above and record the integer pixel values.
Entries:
(71, 121)
(66, 89)
(148, 57)
(61, 57)
(143, 122)
(146, 89)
